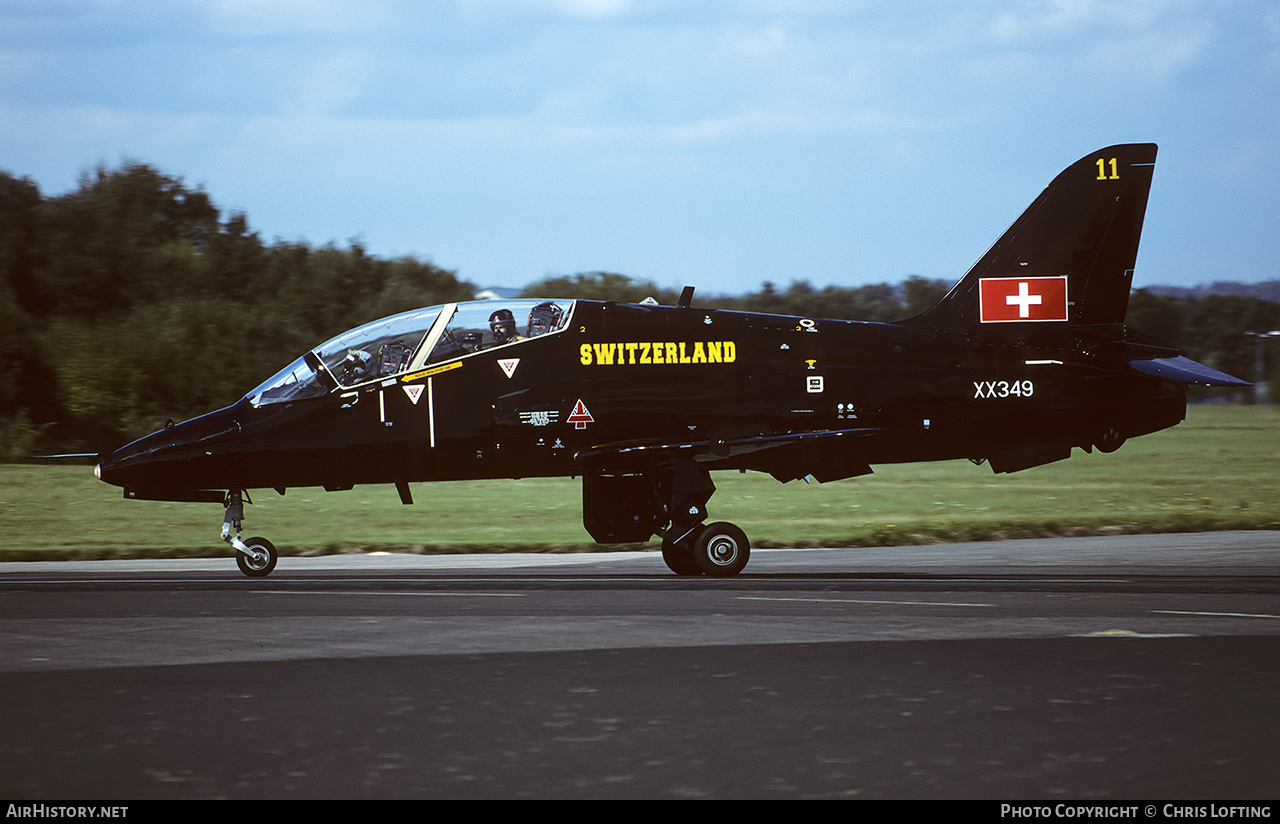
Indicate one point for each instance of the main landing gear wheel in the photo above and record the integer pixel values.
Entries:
(721, 550)
(260, 560)
(679, 560)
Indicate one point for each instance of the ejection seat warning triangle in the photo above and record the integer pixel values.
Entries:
(414, 392)
(580, 417)
(509, 366)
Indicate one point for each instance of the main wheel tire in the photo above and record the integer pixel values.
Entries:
(263, 560)
(679, 560)
(722, 550)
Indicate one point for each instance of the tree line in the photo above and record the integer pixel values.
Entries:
(133, 299)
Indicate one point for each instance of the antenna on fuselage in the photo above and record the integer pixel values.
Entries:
(686, 298)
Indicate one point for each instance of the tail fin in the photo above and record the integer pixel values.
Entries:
(1069, 258)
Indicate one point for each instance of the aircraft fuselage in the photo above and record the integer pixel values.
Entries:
(622, 373)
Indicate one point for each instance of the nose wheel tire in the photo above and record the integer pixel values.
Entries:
(722, 550)
(260, 559)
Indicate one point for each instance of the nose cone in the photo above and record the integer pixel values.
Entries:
(175, 460)
(127, 465)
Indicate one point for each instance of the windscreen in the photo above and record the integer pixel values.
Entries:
(378, 349)
(293, 383)
(375, 350)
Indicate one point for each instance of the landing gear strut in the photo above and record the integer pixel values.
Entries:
(256, 557)
(690, 547)
(672, 504)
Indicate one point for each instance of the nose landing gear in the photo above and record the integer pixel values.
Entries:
(256, 557)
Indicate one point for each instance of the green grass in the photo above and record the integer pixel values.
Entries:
(1217, 470)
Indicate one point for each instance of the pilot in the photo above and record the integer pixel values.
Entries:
(356, 366)
(543, 318)
(503, 326)
(393, 358)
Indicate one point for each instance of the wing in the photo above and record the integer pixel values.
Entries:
(827, 455)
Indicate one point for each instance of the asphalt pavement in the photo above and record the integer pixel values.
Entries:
(1135, 667)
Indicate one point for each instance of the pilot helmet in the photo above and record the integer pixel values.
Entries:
(543, 318)
(503, 325)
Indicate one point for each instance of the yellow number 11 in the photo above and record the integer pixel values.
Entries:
(1102, 170)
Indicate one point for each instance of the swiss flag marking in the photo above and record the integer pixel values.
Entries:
(1006, 300)
(580, 417)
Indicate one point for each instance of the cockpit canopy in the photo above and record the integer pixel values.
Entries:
(409, 341)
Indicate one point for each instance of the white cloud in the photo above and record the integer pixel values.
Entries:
(1035, 19)
(328, 83)
(591, 8)
(1134, 43)
(1152, 58)
(581, 9)
(259, 17)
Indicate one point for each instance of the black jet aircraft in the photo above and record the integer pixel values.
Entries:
(1025, 358)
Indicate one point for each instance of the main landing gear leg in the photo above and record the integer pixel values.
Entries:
(688, 546)
(255, 557)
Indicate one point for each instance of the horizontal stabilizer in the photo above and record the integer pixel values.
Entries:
(1185, 370)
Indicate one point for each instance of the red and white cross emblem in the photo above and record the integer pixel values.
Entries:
(1008, 300)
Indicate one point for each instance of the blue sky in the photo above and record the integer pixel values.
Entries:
(718, 143)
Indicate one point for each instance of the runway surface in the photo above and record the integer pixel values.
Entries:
(1136, 667)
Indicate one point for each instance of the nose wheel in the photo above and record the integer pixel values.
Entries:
(256, 557)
